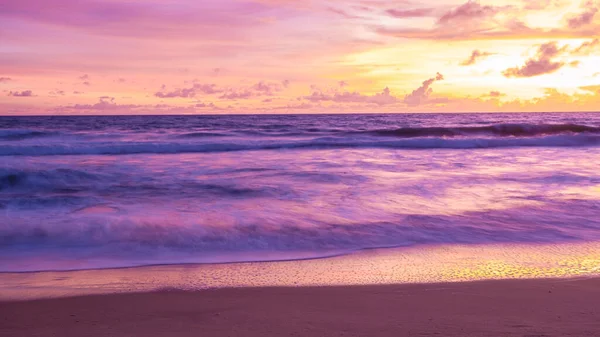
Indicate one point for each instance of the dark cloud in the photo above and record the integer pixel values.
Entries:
(475, 56)
(5, 79)
(84, 77)
(422, 94)
(584, 18)
(25, 93)
(542, 63)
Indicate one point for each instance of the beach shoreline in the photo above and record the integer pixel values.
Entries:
(540, 307)
(409, 265)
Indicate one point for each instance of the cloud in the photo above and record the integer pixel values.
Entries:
(343, 13)
(475, 56)
(261, 88)
(422, 94)
(208, 89)
(5, 79)
(237, 94)
(471, 10)
(470, 20)
(25, 93)
(205, 105)
(84, 77)
(57, 93)
(149, 19)
(591, 88)
(534, 5)
(300, 106)
(587, 47)
(496, 94)
(584, 18)
(265, 88)
(87, 83)
(410, 13)
(541, 64)
(382, 98)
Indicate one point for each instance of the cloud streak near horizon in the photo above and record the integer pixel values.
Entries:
(234, 56)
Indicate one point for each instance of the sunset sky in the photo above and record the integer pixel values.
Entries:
(288, 56)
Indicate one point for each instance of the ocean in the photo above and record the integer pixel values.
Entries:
(88, 192)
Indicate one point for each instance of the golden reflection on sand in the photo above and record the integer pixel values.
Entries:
(385, 266)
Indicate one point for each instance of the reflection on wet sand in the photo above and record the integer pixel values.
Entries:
(385, 266)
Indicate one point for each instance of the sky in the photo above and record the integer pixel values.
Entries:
(96, 57)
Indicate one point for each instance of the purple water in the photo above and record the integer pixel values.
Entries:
(100, 192)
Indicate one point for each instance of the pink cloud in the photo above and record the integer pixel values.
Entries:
(25, 93)
(541, 4)
(541, 64)
(261, 88)
(496, 94)
(5, 79)
(205, 105)
(208, 89)
(475, 56)
(422, 94)
(57, 93)
(468, 11)
(149, 19)
(587, 47)
(410, 13)
(264, 88)
(383, 98)
(584, 18)
(237, 94)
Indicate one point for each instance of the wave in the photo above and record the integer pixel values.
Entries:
(125, 148)
(16, 134)
(201, 135)
(54, 179)
(115, 234)
(502, 130)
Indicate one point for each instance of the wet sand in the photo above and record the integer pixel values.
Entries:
(543, 307)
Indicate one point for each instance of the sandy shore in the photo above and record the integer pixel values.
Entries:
(559, 307)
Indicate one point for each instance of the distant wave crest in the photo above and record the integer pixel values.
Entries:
(501, 130)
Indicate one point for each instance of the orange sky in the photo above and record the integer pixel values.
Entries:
(287, 56)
